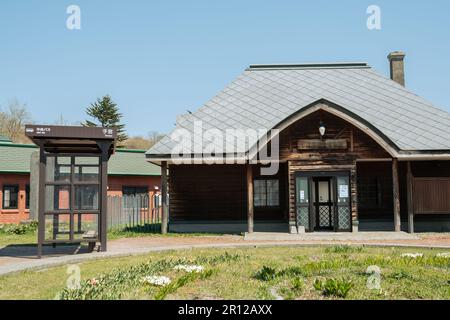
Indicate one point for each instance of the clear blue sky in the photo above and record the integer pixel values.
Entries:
(159, 58)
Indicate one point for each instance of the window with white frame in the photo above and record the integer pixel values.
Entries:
(10, 197)
(266, 193)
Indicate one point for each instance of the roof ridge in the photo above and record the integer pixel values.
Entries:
(130, 150)
(294, 66)
(18, 145)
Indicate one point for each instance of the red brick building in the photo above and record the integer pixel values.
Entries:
(128, 173)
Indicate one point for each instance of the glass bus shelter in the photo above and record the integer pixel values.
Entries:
(73, 166)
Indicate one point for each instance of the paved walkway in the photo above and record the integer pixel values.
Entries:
(16, 258)
(330, 236)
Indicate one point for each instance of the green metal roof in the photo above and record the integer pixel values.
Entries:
(5, 139)
(15, 158)
(127, 162)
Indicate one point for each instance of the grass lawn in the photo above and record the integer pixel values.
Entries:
(31, 237)
(248, 273)
(9, 239)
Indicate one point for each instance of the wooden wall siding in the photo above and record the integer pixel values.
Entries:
(354, 192)
(430, 168)
(359, 144)
(218, 192)
(207, 192)
(431, 195)
(421, 169)
(382, 171)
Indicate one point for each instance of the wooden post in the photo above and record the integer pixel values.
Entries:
(104, 194)
(165, 209)
(396, 195)
(352, 148)
(409, 186)
(41, 200)
(250, 210)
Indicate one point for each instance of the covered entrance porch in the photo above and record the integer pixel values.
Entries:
(322, 201)
(380, 195)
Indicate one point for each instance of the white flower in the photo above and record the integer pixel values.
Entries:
(157, 280)
(443, 255)
(189, 268)
(412, 255)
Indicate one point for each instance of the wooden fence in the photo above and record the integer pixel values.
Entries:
(431, 195)
(138, 213)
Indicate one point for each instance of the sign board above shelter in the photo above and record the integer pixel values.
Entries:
(71, 138)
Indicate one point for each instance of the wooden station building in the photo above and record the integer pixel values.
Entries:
(357, 151)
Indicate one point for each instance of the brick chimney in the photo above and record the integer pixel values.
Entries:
(397, 66)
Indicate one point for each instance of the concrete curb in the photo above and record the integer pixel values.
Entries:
(72, 259)
(330, 236)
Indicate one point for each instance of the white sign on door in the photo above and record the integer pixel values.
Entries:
(302, 194)
(343, 191)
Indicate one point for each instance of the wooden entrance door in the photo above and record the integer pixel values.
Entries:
(324, 202)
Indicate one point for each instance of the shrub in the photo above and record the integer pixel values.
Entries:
(333, 287)
(221, 258)
(294, 271)
(325, 266)
(343, 249)
(297, 284)
(266, 274)
(400, 275)
(19, 229)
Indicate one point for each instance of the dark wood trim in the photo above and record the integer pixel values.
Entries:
(434, 178)
(266, 206)
(11, 185)
(330, 203)
(72, 200)
(312, 216)
(250, 208)
(396, 195)
(69, 132)
(344, 111)
(409, 195)
(352, 148)
(41, 200)
(105, 147)
(333, 183)
(322, 144)
(165, 212)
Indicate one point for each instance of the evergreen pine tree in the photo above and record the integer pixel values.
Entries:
(106, 113)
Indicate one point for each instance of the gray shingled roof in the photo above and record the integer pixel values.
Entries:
(264, 96)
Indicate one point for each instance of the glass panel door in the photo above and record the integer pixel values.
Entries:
(324, 204)
(72, 203)
(302, 201)
(343, 203)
